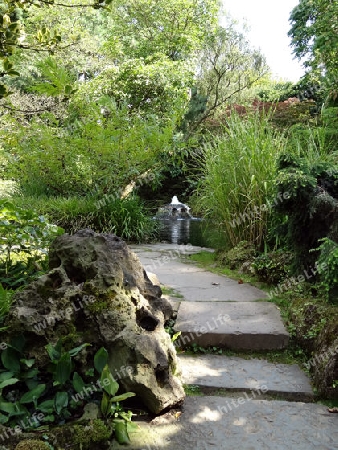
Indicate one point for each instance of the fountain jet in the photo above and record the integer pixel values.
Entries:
(174, 210)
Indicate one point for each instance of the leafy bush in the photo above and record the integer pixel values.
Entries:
(90, 153)
(238, 176)
(273, 267)
(234, 258)
(24, 241)
(311, 206)
(272, 91)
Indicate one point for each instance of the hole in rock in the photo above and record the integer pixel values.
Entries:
(75, 274)
(54, 262)
(161, 376)
(55, 281)
(145, 321)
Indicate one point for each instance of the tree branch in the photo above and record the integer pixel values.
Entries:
(209, 112)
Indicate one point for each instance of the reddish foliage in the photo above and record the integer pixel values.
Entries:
(284, 114)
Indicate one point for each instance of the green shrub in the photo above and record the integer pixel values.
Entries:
(234, 258)
(96, 153)
(273, 267)
(310, 209)
(24, 241)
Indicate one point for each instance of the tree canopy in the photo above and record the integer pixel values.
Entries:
(314, 33)
(16, 35)
(175, 28)
(103, 91)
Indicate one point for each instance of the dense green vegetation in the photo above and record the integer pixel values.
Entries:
(239, 198)
(55, 402)
(106, 101)
(108, 105)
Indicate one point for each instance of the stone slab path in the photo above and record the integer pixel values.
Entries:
(226, 423)
(241, 414)
(217, 372)
(234, 325)
(194, 283)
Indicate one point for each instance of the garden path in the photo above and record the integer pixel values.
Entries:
(236, 403)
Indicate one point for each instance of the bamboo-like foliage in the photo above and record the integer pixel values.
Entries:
(237, 189)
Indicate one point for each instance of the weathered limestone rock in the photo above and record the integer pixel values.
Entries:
(98, 292)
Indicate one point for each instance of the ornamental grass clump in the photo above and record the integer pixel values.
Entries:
(237, 188)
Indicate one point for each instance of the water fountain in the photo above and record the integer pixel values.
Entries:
(174, 210)
(177, 225)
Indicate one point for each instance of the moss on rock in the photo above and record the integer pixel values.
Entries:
(32, 444)
(314, 325)
(95, 431)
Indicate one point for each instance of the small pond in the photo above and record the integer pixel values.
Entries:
(184, 231)
(178, 226)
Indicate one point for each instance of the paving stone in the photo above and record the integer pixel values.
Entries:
(227, 423)
(194, 283)
(213, 372)
(233, 325)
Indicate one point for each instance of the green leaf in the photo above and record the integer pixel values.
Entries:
(176, 336)
(5, 376)
(50, 418)
(8, 382)
(110, 385)
(100, 359)
(7, 64)
(120, 398)
(54, 352)
(131, 426)
(11, 359)
(61, 401)
(34, 394)
(78, 382)
(63, 369)
(105, 405)
(13, 73)
(90, 372)
(8, 407)
(76, 350)
(31, 373)
(121, 432)
(31, 384)
(18, 343)
(28, 362)
(20, 410)
(3, 419)
(47, 407)
(126, 415)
